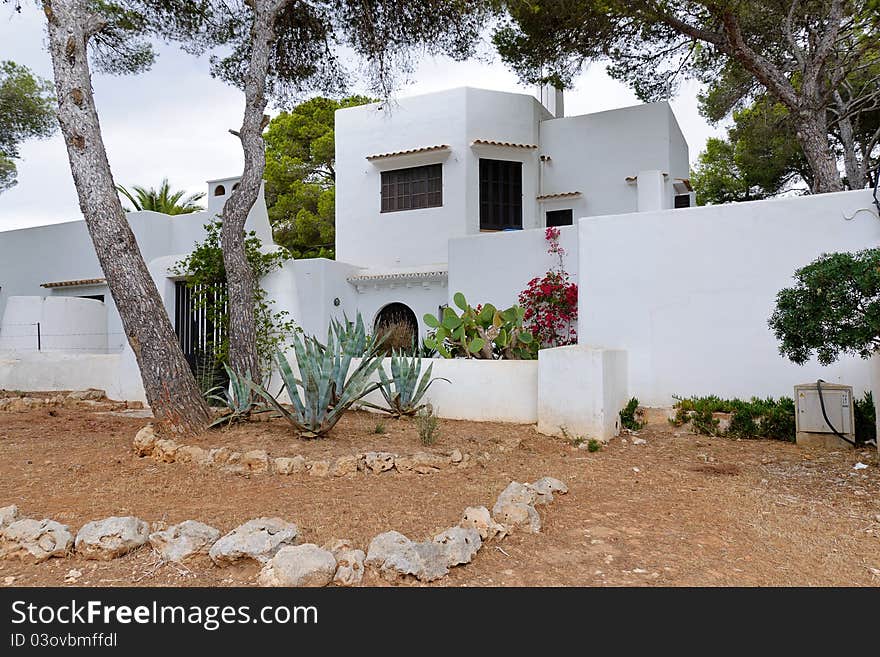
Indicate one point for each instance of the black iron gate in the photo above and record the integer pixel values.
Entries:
(199, 336)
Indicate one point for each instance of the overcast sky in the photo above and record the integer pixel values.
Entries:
(173, 120)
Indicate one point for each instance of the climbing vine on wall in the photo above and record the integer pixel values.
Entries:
(203, 268)
(551, 301)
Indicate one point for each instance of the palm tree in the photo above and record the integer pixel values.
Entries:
(162, 200)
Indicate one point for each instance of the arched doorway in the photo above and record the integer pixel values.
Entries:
(398, 323)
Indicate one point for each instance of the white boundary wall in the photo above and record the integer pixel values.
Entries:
(687, 293)
(44, 371)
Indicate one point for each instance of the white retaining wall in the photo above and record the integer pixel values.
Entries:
(65, 324)
(42, 371)
(495, 267)
(687, 293)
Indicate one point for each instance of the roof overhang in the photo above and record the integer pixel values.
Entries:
(557, 197)
(79, 282)
(408, 278)
(439, 148)
(503, 144)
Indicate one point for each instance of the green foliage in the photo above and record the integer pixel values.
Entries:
(481, 332)
(428, 425)
(237, 398)
(756, 418)
(628, 415)
(161, 200)
(865, 418)
(760, 158)
(833, 308)
(405, 389)
(655, 46)
(379, 428)
(593, 445)
(300, 176)
(26, 112)
(204, 270)
(323, 388)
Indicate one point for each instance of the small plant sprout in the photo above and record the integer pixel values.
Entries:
(574, 441)
(428, 425)
(379, 428)
(238, 400)
(594, 445)
(628, 416)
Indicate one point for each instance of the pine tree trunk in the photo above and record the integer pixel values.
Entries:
(170, 387)
(243, 356)
(812, 134)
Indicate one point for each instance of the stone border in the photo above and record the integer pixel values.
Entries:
(257, 461)
(271, 542)
(91, 399)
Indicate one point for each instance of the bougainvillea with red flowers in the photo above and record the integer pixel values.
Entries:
(551, 301)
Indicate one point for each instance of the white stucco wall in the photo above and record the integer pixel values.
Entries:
(591, 154)
(495, 267)
(480, 390)
(47, 371)
(65, 324)
(687, 293)
(64, 251)
(595, 153)
(581, 391)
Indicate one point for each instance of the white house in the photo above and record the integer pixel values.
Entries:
(450, 192)
(416, 176)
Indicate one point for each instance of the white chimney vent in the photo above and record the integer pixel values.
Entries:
(552, 98)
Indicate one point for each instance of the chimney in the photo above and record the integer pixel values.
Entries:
(551, 97)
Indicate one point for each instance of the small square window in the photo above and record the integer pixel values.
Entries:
(559, 218)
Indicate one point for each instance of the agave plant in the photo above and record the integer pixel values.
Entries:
(326, 388)
(404, 391)
(237, 400)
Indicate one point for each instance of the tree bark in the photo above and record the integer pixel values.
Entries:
(812, 133)
(240, 279)
(170, 387)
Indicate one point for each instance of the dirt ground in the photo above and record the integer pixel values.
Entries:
(680, 510)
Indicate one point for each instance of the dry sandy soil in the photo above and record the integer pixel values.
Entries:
(679, 510)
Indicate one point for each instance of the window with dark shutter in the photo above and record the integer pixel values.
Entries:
(559, 218)
(413, 188)
(682, 200)
(500, 194)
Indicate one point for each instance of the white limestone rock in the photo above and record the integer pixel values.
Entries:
(479, 518)
(289, 465)
(8, 515)
(544, 488)
(145, 441)
(184, 541)
(35, 540)
(395, 557)
(258, 539)
(377, 462)
(111, 537)
(299, 565)
(459, 544)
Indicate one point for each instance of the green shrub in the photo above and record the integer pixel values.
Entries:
(865, 416)
(628, 415)
(594, 445)
(379, 428)
(405, 389)
(756, 418)
(428, 425)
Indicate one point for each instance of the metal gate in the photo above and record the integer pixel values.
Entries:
(199, 336)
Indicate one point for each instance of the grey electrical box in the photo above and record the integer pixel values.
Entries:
(811, 426)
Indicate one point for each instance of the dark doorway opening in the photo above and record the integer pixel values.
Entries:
(398, 324)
